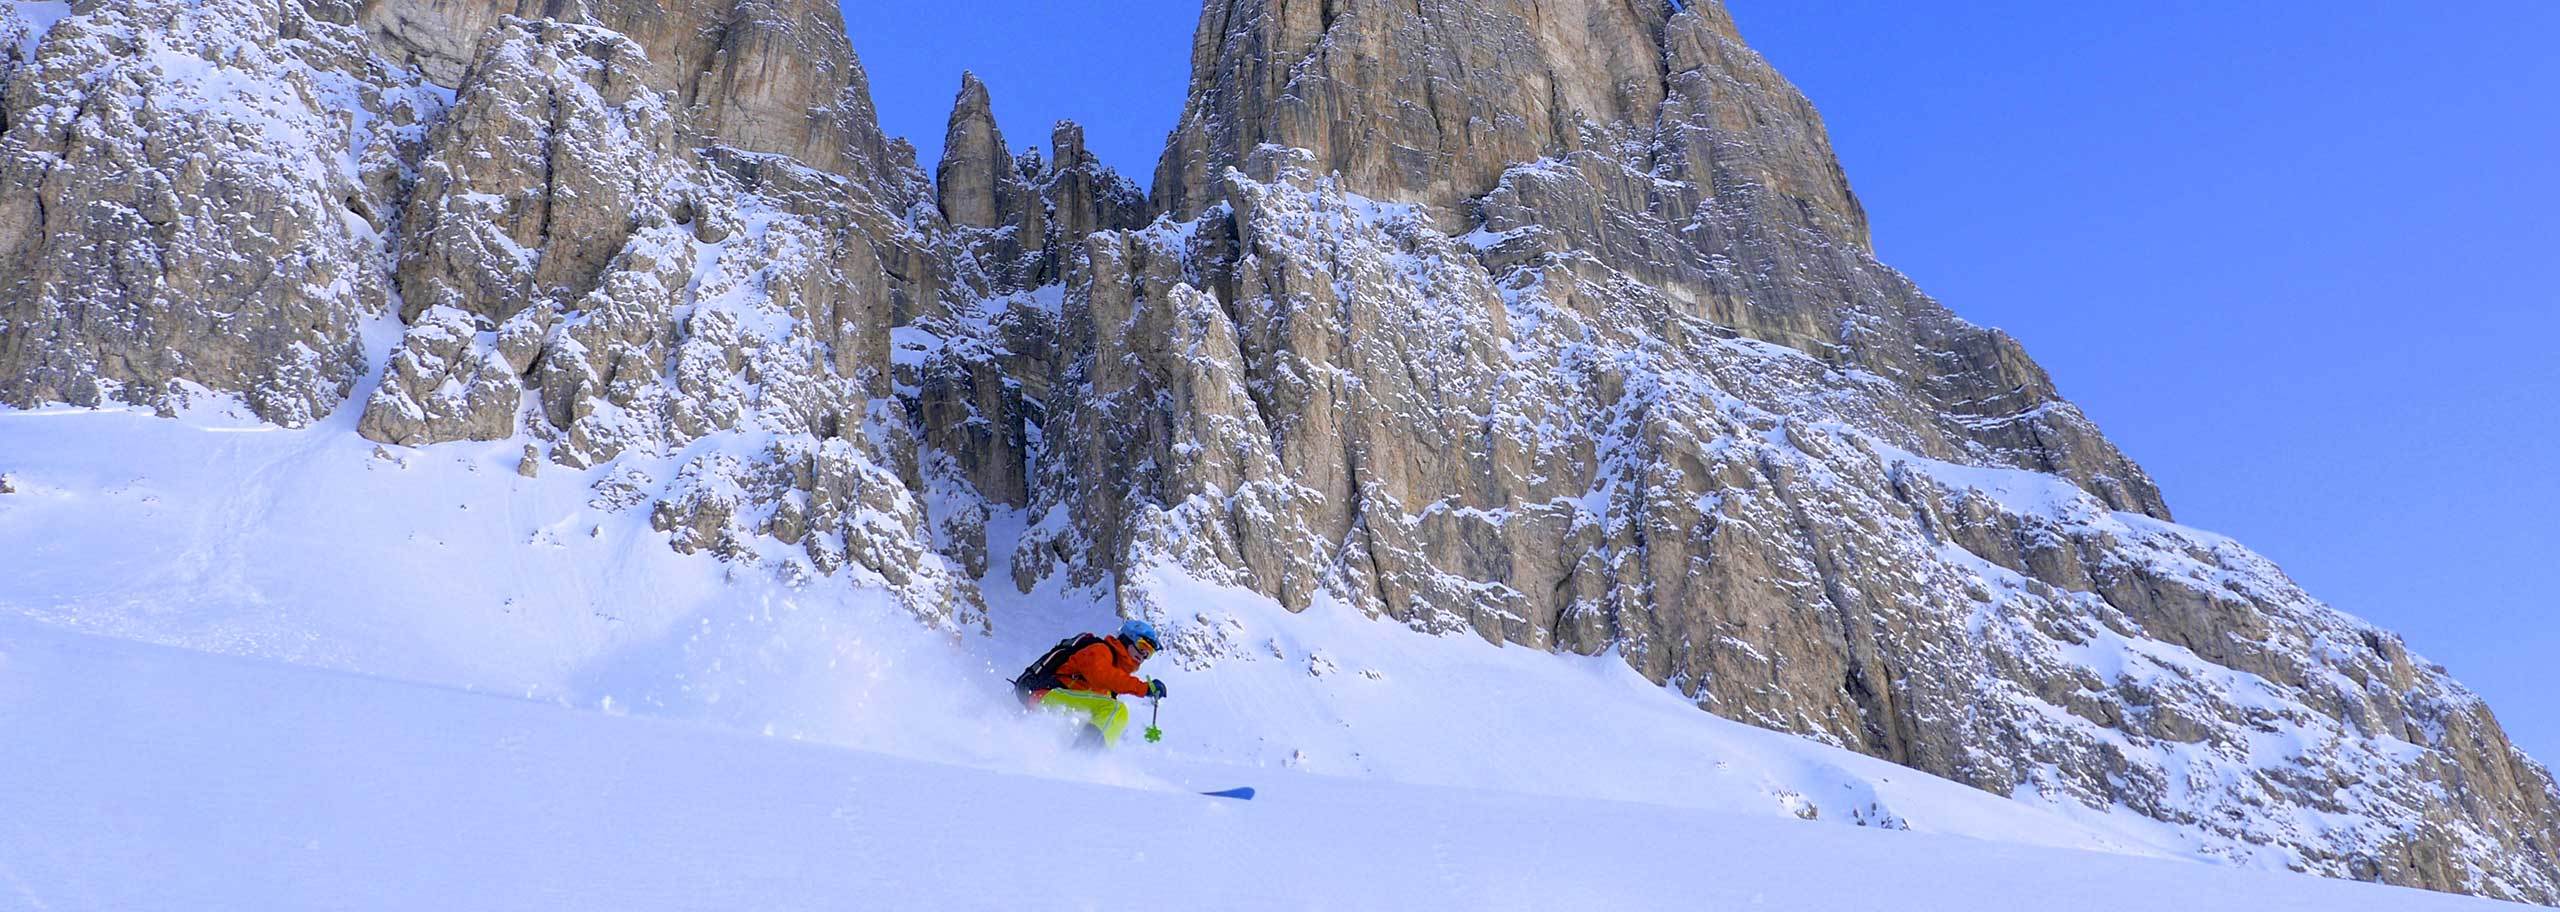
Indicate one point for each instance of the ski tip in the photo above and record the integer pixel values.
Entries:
(1240, 794)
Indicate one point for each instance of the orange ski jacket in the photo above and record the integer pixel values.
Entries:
(1104, 667)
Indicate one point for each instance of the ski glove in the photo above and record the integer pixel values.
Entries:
(1155, 688)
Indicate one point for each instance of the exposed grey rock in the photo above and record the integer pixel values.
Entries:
(979, 184)
(979, 361)
(1084, 195)
(443, 384)
(162, 229)
(1658, 399)
(644, 263)
(17, 38)
(1574, 460)
(771, 76)
(983, 192)
(1411, 102)
(556, 151)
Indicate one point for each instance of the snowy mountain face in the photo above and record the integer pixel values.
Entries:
(1549, 322)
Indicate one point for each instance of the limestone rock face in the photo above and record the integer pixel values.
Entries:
(979, 359)
(444, 384)
(1084, 195)
(773, 76)
(983, 190)
(167, 223)
(618, 231)
(554, 153)
(978, 184)
(1571, 459)
(17, 43)
(1017, 218)
(1412, 102)
(1607, 366)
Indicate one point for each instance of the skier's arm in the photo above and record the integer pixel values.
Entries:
(1093, 667)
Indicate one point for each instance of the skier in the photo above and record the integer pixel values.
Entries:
(1087, 674)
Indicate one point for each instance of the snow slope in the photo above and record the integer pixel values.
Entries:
(801, 740)
(306, 546)
(149, 778)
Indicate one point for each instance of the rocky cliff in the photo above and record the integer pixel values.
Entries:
(1552, 322)
(1556, 322)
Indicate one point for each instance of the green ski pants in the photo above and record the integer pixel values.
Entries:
(1104, 711)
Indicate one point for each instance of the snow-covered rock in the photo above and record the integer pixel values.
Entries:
(1658, 400)
(195, 192)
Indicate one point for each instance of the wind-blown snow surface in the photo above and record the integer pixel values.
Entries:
(1399, 768)
(146, 777)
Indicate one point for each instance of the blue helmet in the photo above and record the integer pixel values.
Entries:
(1133, 631)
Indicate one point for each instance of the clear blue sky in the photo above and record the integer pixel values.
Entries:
(2297, 258)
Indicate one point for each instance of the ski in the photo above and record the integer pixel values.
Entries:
(1239, 794)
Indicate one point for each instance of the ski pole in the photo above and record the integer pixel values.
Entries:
(1155, 708)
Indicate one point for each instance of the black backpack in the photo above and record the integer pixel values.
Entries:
(1043, 673)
